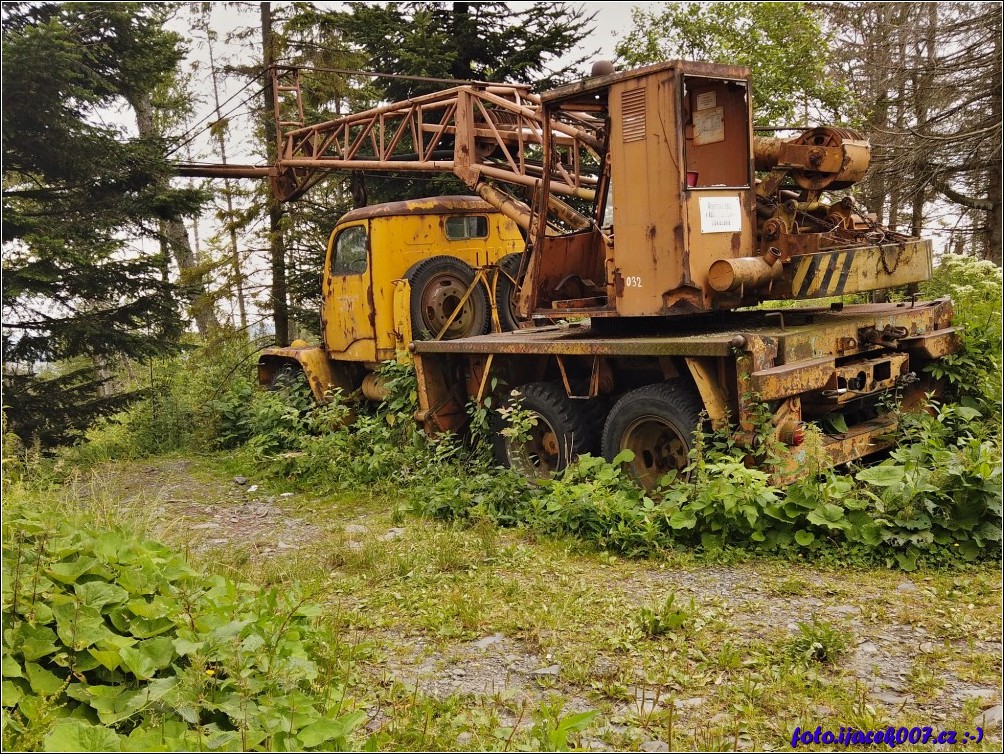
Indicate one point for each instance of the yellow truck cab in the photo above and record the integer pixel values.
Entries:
(398, 272)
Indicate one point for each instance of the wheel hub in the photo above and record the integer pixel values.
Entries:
(658, 449)
(539, 454)
(440, 300)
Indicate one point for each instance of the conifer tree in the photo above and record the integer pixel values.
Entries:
(75, 188)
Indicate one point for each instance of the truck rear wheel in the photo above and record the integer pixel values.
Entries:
(437, 286)
(657, 424)
(558, 436)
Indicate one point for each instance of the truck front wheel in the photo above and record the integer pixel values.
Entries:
(438, 285)
(656, 423)
(554, 435)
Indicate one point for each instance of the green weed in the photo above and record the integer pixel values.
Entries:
(668, 617)
(818, 641)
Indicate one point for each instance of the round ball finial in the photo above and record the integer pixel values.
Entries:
(602, 68)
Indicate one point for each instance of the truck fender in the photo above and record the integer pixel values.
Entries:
(402, 315)
(323, 375)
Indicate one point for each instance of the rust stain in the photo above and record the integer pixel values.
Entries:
(431, 206)
(618, 283)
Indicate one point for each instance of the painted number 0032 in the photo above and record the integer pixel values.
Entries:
(632, 281)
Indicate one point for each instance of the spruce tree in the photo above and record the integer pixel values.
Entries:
(76, 293)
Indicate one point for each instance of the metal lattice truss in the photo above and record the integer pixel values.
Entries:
(476, 131)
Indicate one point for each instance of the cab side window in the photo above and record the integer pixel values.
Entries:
(349, 255)
(460, 228)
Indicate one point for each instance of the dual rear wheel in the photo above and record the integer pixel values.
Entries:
(656, 423)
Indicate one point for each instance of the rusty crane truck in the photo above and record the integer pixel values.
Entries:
(655, 223)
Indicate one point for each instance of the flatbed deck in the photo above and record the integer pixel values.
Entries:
(701, 335)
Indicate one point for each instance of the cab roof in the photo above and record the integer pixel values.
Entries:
(433, 205)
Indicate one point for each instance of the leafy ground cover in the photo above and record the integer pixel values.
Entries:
(227, 568)
(481, 637)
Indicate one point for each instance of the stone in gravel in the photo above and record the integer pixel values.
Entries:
(253, 488)
(646, 701)
(696, 701)
(396, 533)
(207, 525)
(907, 586)
(551, 670)
(654, 745)
(353, 529)
(354, 546)
(286, 494)
(611, 728)
(926, 647)
(488, 641)
(844, 610)
(991, 719)
(284, 546)
(270, 500)
(458, 672)
(986, 696)
(867, 647)
(240, 480)
(889, 698)
(588, 744)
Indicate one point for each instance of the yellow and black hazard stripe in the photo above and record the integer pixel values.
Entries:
(822, 274)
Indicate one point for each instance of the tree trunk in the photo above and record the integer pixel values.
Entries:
(465, 38)
(235, 259)
(277, 249)
(994, 236)
(174, 241)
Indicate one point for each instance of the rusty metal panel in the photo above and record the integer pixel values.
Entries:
(864, 268)
(713, 392)
(861, 440)
(646, 177)
(579, 341)
(935, 344)
(808, 334)
(570, 267)
(852, 380)
(792, 379)
(347, 313)
(440, 400)
(668, 233)
(634, 117)
(433, 205)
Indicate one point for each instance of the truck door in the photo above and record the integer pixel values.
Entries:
(348, 311)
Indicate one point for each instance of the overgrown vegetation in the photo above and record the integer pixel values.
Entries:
(115, 641)
(935, 498)
(112, 641)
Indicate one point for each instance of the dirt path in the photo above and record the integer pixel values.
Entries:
(490, 614)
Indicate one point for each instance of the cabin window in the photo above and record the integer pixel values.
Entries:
(462, 227)
(349, 254)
